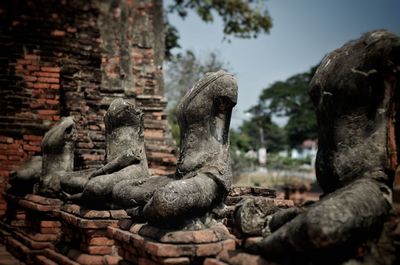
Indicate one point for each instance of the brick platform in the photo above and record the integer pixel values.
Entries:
(15, 215)
(84, 239)
(40, 229)
(143, 244)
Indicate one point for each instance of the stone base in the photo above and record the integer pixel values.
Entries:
(238, 194)
(38, 227)
(15, 215)
(84, 239)
(237, 258)
(144, 244)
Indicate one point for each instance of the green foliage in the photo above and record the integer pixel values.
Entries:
(240, 144)
(290, 99)
(171, 39)
(275, 161)
(239, 141)
(241, 18)
(262, 132)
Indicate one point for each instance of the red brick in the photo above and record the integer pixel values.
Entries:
(50, 224)
(52, 102)
(210, 261)
(43, 237)
(85, 259)
(112, 260)
(71, 30)
(55, 86)
(35, 143)
(206, 250)
(31, 148)
(4, 139)
(41, 85)
(100, 241)
(36, 105)
(44, 117)
(15, 158)
(47, 112)
(52, 230)
(4, 173)
(30, 78)
(51, 69)
(47, 74)
(99, 250)
(59, 258)
(14, 146)
(48, 80)
(58, 33)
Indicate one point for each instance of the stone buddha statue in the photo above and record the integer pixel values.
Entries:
(203, 175)
(58, 156)
(356, 96)
(125, 158)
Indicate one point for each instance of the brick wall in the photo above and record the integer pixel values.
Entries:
(60, 58)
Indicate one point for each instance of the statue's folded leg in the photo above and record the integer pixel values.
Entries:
(137, 192)
(75, 182)
(181, 198)
(336, 224)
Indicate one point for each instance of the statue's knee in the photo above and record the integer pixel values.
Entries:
(94, 188)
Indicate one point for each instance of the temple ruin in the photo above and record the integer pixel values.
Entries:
(89, 173)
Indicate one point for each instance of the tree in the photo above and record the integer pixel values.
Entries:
(290, 98)
(181, 73)
(241, 18)
(262, 132)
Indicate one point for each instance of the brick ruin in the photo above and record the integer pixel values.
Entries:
(60, 58)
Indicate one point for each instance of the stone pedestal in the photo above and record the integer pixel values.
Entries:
(84, 239)
(15, 215)
(238, 194)
(237, 258)
(144, 244)
(40, 229)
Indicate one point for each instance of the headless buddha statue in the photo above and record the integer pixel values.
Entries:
(203, 175)
(356, 95)
(125, 158)
(58, 156)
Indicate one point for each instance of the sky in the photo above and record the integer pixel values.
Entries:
(303, 32)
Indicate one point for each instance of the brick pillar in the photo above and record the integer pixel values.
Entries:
(61, 58)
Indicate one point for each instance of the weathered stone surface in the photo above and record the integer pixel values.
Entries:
(38, 207)
(125, 159)
(255, 191)
(240, 258)
(253, 213)
(87, 223)
(213, 234)
(134, 246)
(58, 156)
(23, 179)
(353, 91)
(43, 200)
(203, 176)
(210, 261)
